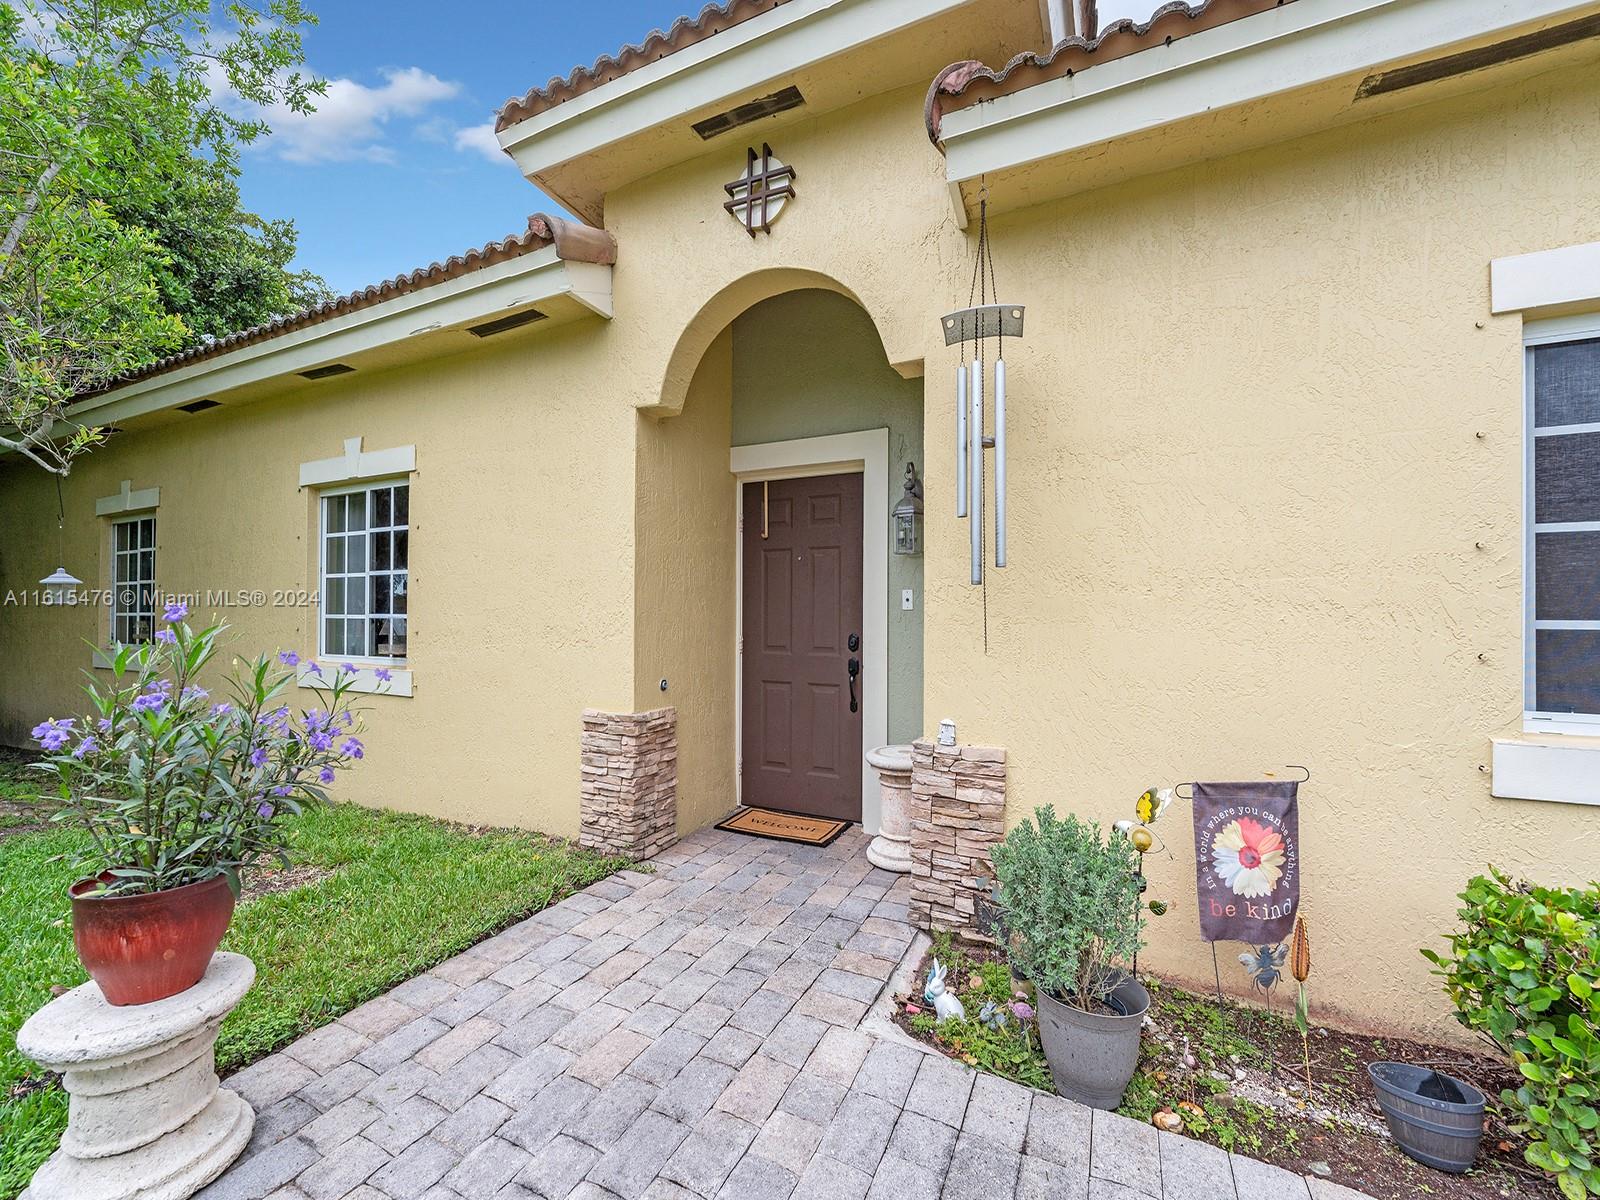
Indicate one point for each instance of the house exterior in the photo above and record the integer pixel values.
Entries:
(1303, 450)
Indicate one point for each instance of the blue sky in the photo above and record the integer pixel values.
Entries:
(397, 168)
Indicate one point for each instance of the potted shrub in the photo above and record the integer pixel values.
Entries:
(1524, 971)
(177, 793)
(1072, 915)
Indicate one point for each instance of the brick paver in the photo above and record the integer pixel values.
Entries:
(691, 1034)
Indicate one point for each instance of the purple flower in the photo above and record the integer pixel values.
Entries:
(53, 734)
(288, 658)
(326, 775)
(167, 636)
(320, 741)
(383, 674)
(87, 746)
(149, 702)
(316, 719)
(221, 710)
(1023, 1010)
(194, 692)
(315, 668)
(258, 757)
(264, 811)
(347, 668)
(278, 719)
(352, 747)
(348, 718)
(104, 724)
(177, 610)
(282, 790)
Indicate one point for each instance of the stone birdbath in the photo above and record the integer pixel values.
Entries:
(147, 1119)
(891, 849)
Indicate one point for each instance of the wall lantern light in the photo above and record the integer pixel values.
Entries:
(907, 516)
(974, 326)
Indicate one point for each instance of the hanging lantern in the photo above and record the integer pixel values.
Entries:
(975, 326)
(907, 516)
(60, 587)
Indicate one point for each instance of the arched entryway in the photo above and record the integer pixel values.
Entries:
(763, 560)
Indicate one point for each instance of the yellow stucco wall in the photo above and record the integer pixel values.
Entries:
(1246, 492)
(523, 491)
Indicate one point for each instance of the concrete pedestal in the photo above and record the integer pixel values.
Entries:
(147, 1120)
(891, 849)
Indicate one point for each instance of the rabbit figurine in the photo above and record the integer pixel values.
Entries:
(945, 1005)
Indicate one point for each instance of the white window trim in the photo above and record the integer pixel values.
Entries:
(1545, 333)
(1545, 278)
(358, 464)
(836, 454)
(1562, 770)
(366, 679)
(128, 501)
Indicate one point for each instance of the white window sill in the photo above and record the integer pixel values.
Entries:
(1561, 768)
(364, 681)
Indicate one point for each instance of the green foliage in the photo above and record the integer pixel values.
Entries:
(1525, 972)
(112, 111)
(1010, 1051)
(1071, 902)
(405, 893)
(174, 789)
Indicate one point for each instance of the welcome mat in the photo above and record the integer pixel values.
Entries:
(785, 827)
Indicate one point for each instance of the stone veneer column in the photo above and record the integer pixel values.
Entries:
(958, 804)
(630, 782)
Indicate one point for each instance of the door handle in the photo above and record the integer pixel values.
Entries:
(853, 668)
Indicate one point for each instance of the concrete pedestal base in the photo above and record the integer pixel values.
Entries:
(891, 849)
(147, 1120)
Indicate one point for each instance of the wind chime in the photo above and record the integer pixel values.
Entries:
(985, 320)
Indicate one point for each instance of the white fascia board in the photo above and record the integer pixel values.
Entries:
(1280, 50)
(725, 66)
(477, 295)
(1566, 275)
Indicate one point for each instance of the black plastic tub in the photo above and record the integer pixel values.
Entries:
(1435, 1119)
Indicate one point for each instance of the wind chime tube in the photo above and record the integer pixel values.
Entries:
(975, 470)
(999, 462)
(962, 450)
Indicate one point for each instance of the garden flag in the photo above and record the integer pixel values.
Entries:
(1247, 859)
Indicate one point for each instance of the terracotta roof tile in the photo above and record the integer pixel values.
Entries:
(685, 32)
(572, 241)
(964, 84)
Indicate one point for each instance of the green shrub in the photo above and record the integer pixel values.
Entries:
(1071, 901)
(1525, 972)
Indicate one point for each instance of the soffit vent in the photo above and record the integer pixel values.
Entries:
(502, 324)
(754, 110)
(327, 371)
(1435, 69)
(195, 406)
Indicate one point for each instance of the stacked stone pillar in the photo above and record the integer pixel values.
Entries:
(629, 803)
(958, 805)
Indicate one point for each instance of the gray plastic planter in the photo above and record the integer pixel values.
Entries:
(1435, 1119)
(1093, 1055)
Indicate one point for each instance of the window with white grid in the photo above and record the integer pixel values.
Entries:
(1563, 538)
(366, 554)
(133, 580)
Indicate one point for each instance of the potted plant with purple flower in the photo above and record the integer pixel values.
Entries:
(179, 792)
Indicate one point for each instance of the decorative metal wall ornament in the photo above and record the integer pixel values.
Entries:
(757, 197)
(984, 320)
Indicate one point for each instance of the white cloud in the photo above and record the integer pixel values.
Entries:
(480, 139)
(351, 121)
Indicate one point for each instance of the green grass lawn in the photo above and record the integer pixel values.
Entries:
(404, 893)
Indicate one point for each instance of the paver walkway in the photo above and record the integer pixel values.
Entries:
(693, 1034)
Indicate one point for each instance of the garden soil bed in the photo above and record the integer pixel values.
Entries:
(1235, 1075)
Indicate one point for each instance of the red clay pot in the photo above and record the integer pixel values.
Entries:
(145, 948)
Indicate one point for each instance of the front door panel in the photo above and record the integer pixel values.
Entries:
(801, 747)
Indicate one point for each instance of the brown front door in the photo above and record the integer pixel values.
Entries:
(801, 745)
